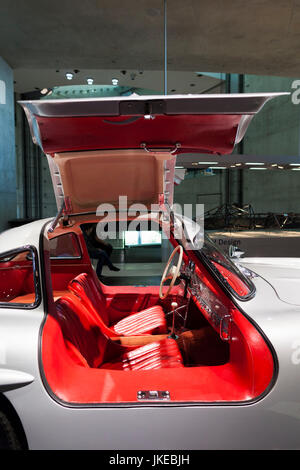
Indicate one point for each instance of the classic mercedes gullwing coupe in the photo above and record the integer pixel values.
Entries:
(138, 338)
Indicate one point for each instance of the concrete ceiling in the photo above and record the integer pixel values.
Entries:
(259, 37)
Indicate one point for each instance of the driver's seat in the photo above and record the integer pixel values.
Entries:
(149, 321)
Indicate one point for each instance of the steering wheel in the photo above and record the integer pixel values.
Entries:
(172, 274)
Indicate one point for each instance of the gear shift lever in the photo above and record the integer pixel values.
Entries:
(172, 335)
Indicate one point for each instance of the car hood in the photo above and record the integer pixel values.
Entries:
(100, 149)
(282, 273)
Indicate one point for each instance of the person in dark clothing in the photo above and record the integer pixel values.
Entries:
(98, 249)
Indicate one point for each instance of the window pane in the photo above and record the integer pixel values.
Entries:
(17, 285)
(65, 246)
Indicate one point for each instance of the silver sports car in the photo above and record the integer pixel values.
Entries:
(121, 325)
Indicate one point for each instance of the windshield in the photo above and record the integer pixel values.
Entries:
(226, 270)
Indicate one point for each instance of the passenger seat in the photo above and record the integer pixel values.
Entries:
(149, 321)
(89, 347)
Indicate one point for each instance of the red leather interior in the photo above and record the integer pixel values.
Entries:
(233, 280)
(81, 365)
(157, 355)
(213, 133)
(69, 347)
(62, 272)
(149, 321)
(84, 287)
(89, 347)
(16, 279)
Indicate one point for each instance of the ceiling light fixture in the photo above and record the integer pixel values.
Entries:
(115, 81)
(69, 76)
(254, 163)
(254, 168)
(44, 91)
(90, 81)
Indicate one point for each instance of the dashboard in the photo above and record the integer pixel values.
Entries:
(211, 306)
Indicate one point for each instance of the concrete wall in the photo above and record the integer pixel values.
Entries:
(274, 131)
(7, 147)
(35, 196)
(198, 188)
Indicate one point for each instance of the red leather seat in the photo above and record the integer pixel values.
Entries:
(157, 355)
(89, 347)
(149, 321)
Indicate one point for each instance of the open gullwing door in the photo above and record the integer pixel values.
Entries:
(100, 149)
